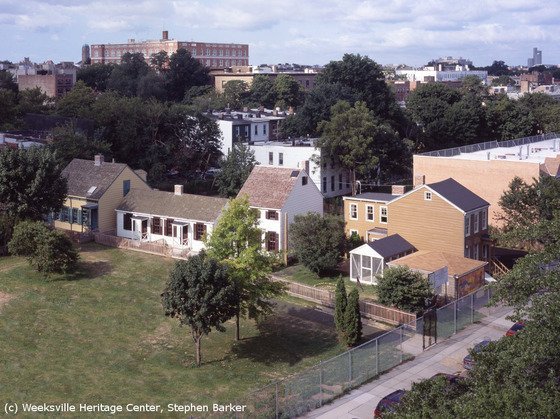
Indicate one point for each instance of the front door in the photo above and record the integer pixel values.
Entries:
(176, 234)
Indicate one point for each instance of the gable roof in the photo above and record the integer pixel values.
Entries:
(167, 204)
(372, 196)
(270, 186)
(458, 195)
(83, 175)
(390, 246)
(429, 261)
(551, 166)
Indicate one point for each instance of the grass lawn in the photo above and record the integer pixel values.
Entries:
(101, 337)
(299, 273)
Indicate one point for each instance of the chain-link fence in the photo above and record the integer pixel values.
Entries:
(311, 388)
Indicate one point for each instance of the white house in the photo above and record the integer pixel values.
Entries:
(280, 194)
(176, 219)
(329, 177)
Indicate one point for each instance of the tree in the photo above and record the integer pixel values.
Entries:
(69, 143)
(287, 91)
(503, 80)
(236, 241)
(77, 103)
(31, 185)
(200, 294)
(507, 119)
(353, 319)
(262, 91)
(340, 303)
(318, 241)
(498, 68)
(151, 85)
(126, 76)
(160, 61)
(184, 72)
(7, 81)
(236, 168)
(48, 251)
(95, 76)
(236, 93)
(33, 101)
(405, 289)
(356, 139)
(7, 108)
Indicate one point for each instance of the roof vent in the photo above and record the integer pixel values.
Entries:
(98, 159)
(295, 173)
(91, 190)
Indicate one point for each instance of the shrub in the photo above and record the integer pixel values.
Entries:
(405, 289)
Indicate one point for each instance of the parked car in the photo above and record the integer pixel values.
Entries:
(388, 403)
(468, 361)
(515, 328)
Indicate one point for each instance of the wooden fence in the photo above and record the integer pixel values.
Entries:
(124, 243)
(368, 309)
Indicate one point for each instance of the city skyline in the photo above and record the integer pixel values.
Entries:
(311, 32)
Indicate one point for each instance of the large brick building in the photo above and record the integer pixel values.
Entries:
(213, 55)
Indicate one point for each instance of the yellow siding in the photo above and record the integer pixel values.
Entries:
(362, 224)
(71, 203)
(112, 197)
(428, 225)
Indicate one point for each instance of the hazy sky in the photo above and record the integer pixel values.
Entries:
(295, 31)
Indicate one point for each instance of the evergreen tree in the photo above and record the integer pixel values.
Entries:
(353, 319)
(340, 303)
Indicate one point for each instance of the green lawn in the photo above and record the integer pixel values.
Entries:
(101, 337)
(299, 273)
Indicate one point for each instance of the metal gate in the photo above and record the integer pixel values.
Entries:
(429, 328)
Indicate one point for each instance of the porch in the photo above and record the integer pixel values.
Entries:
(159, 248)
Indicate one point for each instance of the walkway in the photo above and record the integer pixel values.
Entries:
(446, 356)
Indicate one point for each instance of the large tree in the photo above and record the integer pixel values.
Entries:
(318, 241)
(30, 183)
(96, 76)
(236, 93)
(405, 289)
(262, 91)
(237, 241)
(200, 294)
(353, 319)
(77, 103)
(184, 72)
(360, 142)
(235, 169)
(288, 91)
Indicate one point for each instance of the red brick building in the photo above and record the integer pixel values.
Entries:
(213, 55)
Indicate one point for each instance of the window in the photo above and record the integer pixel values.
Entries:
(271, 158)
(484, 251)
(256, 129)
(354, 211)
(383, 214)
(75, 215)
(280, 159)
(428, 196)
(199, 231)
(467, 226)
(475, 251)
(168, 227)
(369, 212)
(483, 220)
(467, 251)
(339, 181)
(324, 184)
(125, 187)
(303, 180)
(156, 225)
(476, 222)
(271, 215)
(127, 221)
(271, 241)
(264, 129)
(332, 183)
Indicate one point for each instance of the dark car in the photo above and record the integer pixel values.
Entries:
(515, 328)
(388, 403)
(468, 361)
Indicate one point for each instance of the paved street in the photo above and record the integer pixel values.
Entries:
(446, 356)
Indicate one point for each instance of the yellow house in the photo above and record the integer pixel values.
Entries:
(95, 188)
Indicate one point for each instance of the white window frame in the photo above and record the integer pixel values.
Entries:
(372, 213)
(427, 196)
(484, 251)
(476, 220)
(483, 220)
(355, 207)
(381, 216)
(475, 251)
(352, 231)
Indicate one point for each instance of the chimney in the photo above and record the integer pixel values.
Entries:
(304, 165)
(397, 190)
(98, 159)
(178, 189)
(419, 180)
(165, 35)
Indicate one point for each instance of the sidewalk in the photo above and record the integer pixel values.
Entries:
(446, 356)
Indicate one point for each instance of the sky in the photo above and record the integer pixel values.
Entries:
(292, 31)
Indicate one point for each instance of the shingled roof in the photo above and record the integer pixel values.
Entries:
(269, 187)
(84, 175)
(391, 246)
(458, 195)
(167, 204)
(429, 261)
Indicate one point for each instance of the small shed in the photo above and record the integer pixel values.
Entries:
(370, 259)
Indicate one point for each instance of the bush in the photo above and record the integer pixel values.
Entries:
(318, 241)
(405, 289)
(48, 251)
(340, 303)
(353, 319)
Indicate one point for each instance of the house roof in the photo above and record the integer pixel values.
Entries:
(269, 186)
(390, 246)
(458, 195)
(429, 261)
(551, 166)
(84, 175)
(167, 204)
(373, 196)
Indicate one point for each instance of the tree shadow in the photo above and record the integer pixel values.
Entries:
(288, 336)
(89, 270)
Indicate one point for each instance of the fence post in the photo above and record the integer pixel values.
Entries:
(320, 384)
(402, 338)
(350, 366)
(455, 315)
(276, 399)
(377, 356)
(472, 308)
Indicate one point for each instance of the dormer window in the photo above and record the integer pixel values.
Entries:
(427, 196)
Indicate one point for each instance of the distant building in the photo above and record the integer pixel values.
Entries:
(536, 59)
(439, 73)
(85, 54)
(213, 55)
(305, 78)
(54, 80)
